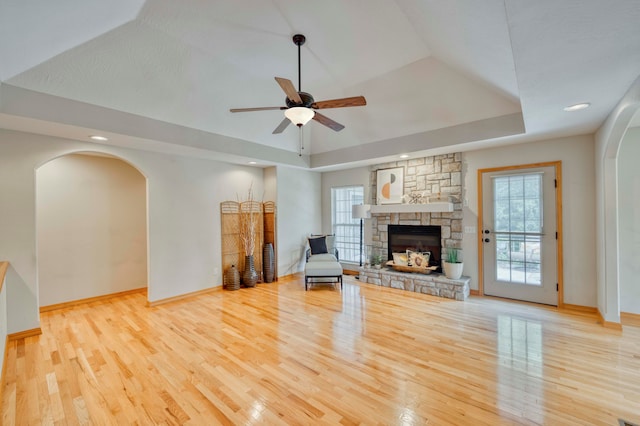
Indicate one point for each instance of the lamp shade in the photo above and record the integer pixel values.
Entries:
(361, 211)
(299, 115)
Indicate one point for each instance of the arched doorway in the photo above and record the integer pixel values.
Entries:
(629, 222)
(608, 141)
(91, 228)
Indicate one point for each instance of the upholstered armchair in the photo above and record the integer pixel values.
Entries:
(322, 261)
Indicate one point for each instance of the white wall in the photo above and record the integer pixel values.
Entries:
(270, 179)
(299, 214)
(91, 223)
(350, 177)
(184, 198)
(629, 221)
(578, 206)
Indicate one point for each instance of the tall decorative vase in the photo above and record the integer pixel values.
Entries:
(232, 278)
(249, 275)
(268, 262)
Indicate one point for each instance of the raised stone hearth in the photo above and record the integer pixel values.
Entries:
(433, 284)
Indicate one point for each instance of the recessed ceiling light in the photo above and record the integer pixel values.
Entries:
(98, 138)
(252, 162)
(404, 156)
(577, 107)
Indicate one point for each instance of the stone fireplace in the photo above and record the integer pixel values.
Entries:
(429, 176)
(440, 174)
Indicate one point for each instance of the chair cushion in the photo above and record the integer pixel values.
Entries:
(318, 245)
(324, 257)
(322, 269)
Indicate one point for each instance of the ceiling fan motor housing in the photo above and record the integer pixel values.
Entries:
(307, 101)
(299, 39)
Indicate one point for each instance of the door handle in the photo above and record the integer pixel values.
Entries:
(486, 240)
(486, 231)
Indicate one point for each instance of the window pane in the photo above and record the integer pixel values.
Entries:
(518, 258)
(345, 228)
(518, 203)
(517, 215)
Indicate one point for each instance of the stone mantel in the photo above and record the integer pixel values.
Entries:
(433, 284)
(412, 208)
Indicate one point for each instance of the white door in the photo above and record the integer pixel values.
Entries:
(519, 235)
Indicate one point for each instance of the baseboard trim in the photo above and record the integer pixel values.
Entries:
(293, 276)
(580, 308)
(608, 324)
(3, 378)
(350, 272)
(24, 334)
(627, 318)
(72, 303)
(474, 292)
(183, 296)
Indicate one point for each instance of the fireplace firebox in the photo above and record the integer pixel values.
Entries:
(417, 238)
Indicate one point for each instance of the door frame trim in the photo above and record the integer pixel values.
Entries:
(559, 245)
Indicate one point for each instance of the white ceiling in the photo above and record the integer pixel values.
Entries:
(437, 75)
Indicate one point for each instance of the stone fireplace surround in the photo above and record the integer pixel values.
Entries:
(440, 174)
(437, 175)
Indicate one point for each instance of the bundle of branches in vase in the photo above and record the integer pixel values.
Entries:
(249, 217)
(248, 223)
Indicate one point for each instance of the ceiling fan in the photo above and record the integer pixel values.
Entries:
(300, 106)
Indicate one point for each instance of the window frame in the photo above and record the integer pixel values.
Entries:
(347, 242)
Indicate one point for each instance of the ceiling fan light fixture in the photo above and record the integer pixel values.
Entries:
(299, 115)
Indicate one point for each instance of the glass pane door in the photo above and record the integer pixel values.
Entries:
(519, 246)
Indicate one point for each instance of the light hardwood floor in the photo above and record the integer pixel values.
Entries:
(276, 354)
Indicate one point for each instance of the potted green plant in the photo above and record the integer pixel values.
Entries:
(452, 264)
(376, 260)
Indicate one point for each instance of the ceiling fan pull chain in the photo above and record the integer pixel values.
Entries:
(301, 142)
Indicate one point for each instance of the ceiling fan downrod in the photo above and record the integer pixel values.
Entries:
(299, 40)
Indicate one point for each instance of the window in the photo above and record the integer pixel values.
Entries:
(518, 227)
(346, 229)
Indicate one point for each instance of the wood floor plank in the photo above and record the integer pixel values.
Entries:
(277, 354)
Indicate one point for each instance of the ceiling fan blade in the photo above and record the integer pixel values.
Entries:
(283, 125)
(255, 109)
(340, 103)
(289, 89)
(323, 119)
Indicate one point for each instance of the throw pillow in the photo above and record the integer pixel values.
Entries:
(330, 239)
(331, 243)
(318, 245)
(418, 259)
(400, 259)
